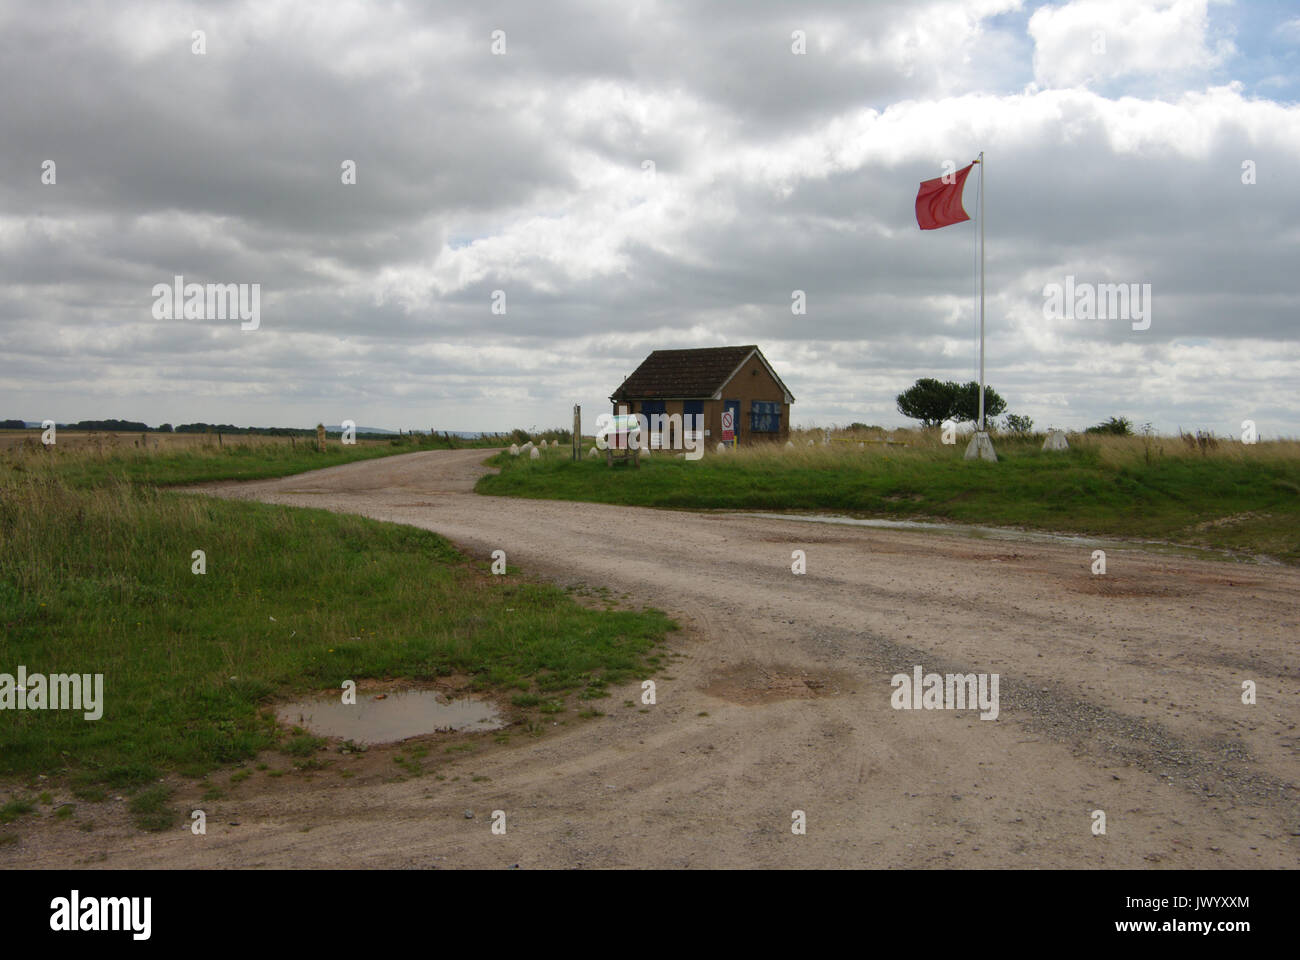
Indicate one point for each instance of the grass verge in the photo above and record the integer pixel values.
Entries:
(87, 466)
(98, 580)
(1240, 498)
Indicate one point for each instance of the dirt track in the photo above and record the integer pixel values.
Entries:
(1119, 693)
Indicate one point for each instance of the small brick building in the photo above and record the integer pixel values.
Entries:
(706, 381)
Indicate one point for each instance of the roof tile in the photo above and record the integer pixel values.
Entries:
(683, 373)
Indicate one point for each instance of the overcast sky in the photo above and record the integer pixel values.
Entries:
(1115, 130)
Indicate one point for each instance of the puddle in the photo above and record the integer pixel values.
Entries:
(750, 684)
(991, 533)
(395, 717)
(997, 533)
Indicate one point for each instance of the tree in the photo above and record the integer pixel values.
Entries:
(1018, 424)
(1118, 426)
(124, 426)
(967, 404)
(165, 428)
(928, 400)
(933, 401)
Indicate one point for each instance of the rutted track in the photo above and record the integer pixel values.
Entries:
(1126, 700)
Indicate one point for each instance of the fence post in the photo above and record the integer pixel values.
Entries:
(577, 432)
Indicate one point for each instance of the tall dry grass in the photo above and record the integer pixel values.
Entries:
(917, 444)
(1235, 496)
(86, 460)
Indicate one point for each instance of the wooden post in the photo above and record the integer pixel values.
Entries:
(577, 432)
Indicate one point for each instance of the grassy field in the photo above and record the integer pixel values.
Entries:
(88, 459)
(96, 577)
(1231, 496)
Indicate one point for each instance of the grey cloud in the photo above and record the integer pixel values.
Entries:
(225, 168)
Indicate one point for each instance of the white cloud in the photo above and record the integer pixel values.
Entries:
(1086, 41)
(774, 172)
(1289, 30)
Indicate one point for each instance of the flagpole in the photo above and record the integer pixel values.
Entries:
(981, 163)
(938, 205)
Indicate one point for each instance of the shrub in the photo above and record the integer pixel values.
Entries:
(1017, 424)
(1202, 440)
(1114, 426)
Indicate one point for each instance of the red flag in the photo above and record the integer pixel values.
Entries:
(938, 204)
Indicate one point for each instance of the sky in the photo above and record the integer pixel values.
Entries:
(544, 192)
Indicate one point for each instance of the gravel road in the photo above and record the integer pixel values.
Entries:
(1119, 693)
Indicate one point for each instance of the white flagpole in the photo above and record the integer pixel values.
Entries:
(980, 447)
(981, 163)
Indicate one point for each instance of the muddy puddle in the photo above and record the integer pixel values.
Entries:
(387, 718)
(998, 533)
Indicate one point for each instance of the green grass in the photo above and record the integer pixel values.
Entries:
(237, 459)
(150, 809)
(1242, 498)
(303, 745)
(410, 766)
(98, 580)
(14, 809)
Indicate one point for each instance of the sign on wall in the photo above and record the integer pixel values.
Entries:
(728, 426)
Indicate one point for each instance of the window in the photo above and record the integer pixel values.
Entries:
(693, 420)
(650, 409)
(765, 416)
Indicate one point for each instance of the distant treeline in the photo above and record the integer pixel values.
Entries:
(126, 426)
(135, 426)
(231, 428)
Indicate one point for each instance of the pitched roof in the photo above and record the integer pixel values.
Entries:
(688, 374)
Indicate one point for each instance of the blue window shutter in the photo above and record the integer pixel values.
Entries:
(765, 416)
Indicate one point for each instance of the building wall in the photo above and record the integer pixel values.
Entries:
(752, 382)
